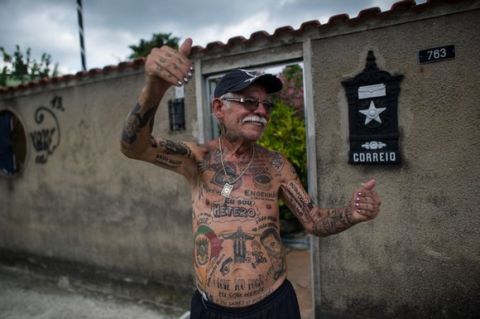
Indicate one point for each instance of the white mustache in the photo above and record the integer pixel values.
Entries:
(255, 118)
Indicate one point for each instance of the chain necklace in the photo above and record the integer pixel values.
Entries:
(227, 188)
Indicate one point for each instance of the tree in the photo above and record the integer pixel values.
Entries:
(19, 67)
(157, 40)
(292, 94)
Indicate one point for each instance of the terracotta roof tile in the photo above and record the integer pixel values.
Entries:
(123, 65)
(109, 68)
(93, 72)
(339, 18)
(197, 49)
(403, 5)
(308, 26)
(214, 45)
(258, 36)
(55, 79)
(286, 30)
(66, 77)
(236, 41)
(369, 13)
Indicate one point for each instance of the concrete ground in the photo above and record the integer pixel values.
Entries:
(298, 272)
(26, 294)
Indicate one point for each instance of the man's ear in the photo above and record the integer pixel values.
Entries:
(217, 110)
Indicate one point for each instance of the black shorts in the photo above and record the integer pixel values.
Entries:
(281, 304)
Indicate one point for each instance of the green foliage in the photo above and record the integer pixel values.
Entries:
(19, 67)
(286, 134)
(293, 73)
(157, 40)
(292, 93)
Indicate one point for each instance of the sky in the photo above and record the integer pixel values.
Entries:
(111, 26)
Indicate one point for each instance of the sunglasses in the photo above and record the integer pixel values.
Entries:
(250, 103)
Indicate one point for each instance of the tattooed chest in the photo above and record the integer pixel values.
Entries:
(252, 199)
(212, 208)
(257, 183)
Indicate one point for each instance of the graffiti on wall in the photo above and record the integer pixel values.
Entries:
(46, 138)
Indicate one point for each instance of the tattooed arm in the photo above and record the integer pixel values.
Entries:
(164, 67)
(318, 221)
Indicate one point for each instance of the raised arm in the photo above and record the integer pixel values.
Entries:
(164, 67)
(363, 206)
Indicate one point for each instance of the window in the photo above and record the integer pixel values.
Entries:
(13, 144)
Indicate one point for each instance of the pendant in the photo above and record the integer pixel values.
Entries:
(226, 190)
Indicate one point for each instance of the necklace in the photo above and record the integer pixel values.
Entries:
(227, 188)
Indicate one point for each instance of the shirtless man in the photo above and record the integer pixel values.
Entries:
(239, 258)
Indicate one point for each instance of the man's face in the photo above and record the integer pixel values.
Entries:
(245, 122)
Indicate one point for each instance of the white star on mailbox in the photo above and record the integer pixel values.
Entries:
(372, 113)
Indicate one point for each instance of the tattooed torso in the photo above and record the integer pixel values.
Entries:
(238, 255)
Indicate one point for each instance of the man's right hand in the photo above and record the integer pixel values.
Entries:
(170, 66)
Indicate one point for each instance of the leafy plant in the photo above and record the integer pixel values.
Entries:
(286, 134)
(292, 93)
(19, 67)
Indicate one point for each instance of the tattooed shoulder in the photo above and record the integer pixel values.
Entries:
(277, 160)
(206, 159)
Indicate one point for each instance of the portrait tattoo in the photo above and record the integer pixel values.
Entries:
(135, 122)
(273, 245)
(175, 148)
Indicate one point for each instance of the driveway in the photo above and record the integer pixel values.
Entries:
(24, 295)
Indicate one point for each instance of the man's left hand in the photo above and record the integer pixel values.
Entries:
(365, 204)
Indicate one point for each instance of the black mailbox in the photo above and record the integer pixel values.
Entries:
(372, 112)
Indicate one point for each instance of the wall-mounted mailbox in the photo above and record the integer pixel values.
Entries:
(372, 113)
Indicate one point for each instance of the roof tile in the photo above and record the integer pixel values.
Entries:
(309, 25)
(339, 18)
(235, 41)
(403, 5)
(286, 30)
(369, 13)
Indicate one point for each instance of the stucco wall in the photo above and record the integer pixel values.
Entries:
(88, 203)
(421, 257)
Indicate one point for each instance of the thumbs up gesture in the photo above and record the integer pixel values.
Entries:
(169, 65)
(365, 204)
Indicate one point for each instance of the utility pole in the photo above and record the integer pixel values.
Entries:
(80, 27)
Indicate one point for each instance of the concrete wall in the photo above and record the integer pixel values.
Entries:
(421, 257)
(88, 204)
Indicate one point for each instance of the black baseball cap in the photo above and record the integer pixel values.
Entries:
(239, 79)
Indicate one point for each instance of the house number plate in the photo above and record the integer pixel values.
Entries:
(436, 54)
